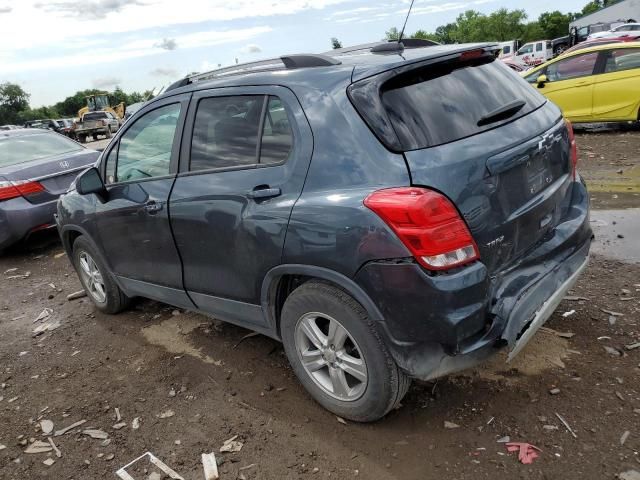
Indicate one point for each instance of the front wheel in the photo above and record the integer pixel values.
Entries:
(338, 355)
(96, 279)
(560, 49)
(108, 134)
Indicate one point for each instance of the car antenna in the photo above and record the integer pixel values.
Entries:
(405, 22)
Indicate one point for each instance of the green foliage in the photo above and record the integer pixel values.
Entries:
(424, 35)
(392, 34)
(335, 43)
(592, 7)
(554, 24)
(13, 100)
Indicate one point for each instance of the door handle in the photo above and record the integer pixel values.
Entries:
(153, 207)
(263, 192)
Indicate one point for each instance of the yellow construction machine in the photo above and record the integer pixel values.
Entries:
(101, 102)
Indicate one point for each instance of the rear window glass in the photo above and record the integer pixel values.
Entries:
(25, 148)
(94, 116)
(443, 103)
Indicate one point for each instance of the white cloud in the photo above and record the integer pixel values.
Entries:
(251, 48)
(5, 10)
(91, 9)
(164, 72)
(167, 44)
(106, 82)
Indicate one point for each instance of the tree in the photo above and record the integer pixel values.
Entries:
(592, 7)
(506, 25)
(335, 43)
(554, 24)
(13, 100)
(392, 34)
(444, 33)
(424, 35)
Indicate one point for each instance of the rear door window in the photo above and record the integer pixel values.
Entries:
(277, 139)
(622, 59)
(572, 67)
(443, 103)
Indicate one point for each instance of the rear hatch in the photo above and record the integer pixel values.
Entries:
(474, 131)
(92, 121)
(48, 159)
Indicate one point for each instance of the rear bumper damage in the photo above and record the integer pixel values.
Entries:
(437, 325)
(19, 218)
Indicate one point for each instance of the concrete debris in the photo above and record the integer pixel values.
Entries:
(55, 448)
(109, 457)
(633, 346)
(614, 352)
(550, 428)
(49, 461)
(554, 391)
(2, 447)
(46, 313)
(154, 476)
(629, 475)
(172, 393)
(231, 445)
(135, 424)
(210, 466)
(46, 327)
(38, 447)
(612, 320)
(505, 439)
(70, 427)
(568, 314)
(450, 425)
(96, 433)
(76, 295)
(167, 414)
(120, 425)
(620, 396)
(46, 426)
(624, 437)
(118, 416)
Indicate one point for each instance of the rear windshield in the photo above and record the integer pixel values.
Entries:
(94, 116)
(446, 102)
(25, 148)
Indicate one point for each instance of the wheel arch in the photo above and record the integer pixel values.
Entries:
(282, 280)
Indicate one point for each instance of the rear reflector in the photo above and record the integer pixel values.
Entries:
(573, 148)
(428, 224)
(14, 189)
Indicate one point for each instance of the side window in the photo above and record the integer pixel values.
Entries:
(225, 133)
(144, 150)
(623, 59)
(506, 50)
(277, 138)
(539, 47)
(573, 67)
(526, 49)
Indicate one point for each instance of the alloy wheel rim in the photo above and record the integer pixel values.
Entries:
(92, 278)
(331, 357)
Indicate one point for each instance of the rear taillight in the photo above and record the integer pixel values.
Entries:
(573, 148)
(18, 188)
(428, 224)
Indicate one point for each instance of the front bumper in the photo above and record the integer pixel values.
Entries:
(19, 218)
(436, 325)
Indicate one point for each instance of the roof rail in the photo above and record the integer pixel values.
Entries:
(383, 47)
(286, 62)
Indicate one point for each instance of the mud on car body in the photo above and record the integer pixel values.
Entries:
(366, 207)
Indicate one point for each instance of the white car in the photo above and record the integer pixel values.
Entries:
(619, 31)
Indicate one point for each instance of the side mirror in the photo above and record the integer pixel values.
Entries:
(542, 79)
(90, 181)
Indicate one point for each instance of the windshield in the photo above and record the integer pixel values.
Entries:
(26, 148)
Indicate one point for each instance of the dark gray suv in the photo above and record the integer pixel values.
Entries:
(387, 213)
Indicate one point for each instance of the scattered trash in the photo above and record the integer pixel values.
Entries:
(231, 445)
(55, 448)
(629, 475)
(450, 425)
(527, 453)
(612, 320)
(341, 420)
(167, 414)
(491, 420)
(624, 437)
(49, 461)
(558, 334)
(549, 428)
(70, 427)
(2, 447)
(135, 424)
(210, 466)
(59, 255)
(633, 346)
(570, 298)
(118, 416)
(248, 335)
(76, 295)
(254, 465)
(172, 393)
(10, 270)
(110, 456)
(46, 426)
(75, 353)
(122, 472)
(46, 313)
(568, 314)
(614, 352)
(620, 396)
(38, 447)
(566, 424)
(604, 338)
(95, 433)
(505, 439)
(554, 391)
(46, 327)
(120, 425)
(11, 400)
(615, 314)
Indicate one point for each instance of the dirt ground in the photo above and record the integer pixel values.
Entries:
(190, 383)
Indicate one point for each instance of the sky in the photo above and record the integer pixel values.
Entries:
(53, 48)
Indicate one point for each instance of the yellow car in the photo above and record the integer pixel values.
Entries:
(595, 84)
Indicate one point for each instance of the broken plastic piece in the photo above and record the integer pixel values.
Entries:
(122, 472)
(527, 453)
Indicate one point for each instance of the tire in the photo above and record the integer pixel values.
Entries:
(95, 137)
(108, 134)
(559, 50)
(82, 138)
(112, 300)
(321, 304)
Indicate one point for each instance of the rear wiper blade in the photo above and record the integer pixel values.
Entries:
(502, 113)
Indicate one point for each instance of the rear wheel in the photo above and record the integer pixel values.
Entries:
(559, 50)
(108, 134)
(95, 136)
(96, 279)
(82, 138)
(338, 355)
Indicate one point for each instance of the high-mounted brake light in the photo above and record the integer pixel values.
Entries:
(18, 188)
(471, 54)
(573, 148)
(428, 224)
